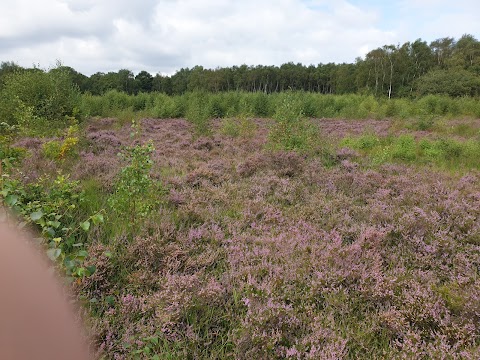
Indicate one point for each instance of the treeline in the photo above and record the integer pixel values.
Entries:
(445, 66)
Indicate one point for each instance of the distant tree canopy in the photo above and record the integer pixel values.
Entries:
(445, 66)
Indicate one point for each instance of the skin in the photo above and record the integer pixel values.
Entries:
(36, 321)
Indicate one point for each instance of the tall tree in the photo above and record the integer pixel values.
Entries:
(442, 49)
(144, 81)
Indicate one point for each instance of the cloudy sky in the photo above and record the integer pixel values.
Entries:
(166, 35)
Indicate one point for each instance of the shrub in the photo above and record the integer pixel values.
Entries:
(404, 148)
(197, 112)
(365, 142)
(261, 105)
(38, 100)
(452, 82)
(61, 149)
(133, 198)
(292, 131)
(238, 127)
(52, 207)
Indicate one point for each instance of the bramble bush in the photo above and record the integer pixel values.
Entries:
(52, 208)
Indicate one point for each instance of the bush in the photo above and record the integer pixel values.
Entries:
(133, 198)
(292, 131)
(242, 127)
(39, 100)
(52, 208)
(198, 112)
(404, 148)
(452, 82)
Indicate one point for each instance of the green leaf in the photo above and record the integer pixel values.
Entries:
(91, 269)
(50, 231)
(110, 300)
(37, 215)
(55, 224)
(154, 340)
(11, 199)
(97, 219)
(155, 357)
(85, 225)
(53, 254)
(80, 272)
(81, 255)
(69, 264)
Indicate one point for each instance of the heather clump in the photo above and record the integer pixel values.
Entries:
(102, 140)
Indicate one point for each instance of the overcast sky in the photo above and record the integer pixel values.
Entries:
(166, 35)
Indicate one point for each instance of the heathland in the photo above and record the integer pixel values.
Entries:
(220, 225)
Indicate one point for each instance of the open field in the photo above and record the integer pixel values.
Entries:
(363, 244)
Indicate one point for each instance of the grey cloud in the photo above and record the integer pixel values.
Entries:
(164, 35)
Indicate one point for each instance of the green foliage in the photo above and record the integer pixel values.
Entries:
(444, 152)
(243, 127)
(292, 131)
(198, 112)
(216, 107)
(38, 101)
(52, 208)
(133, 198)
(62, 149)
(51, 149)
(453, 296)
(367, 141)
(9, 155)
(453, 82)
(404, 148)
(261, 105)
(431, 105)
(422, 123)
(198, 107)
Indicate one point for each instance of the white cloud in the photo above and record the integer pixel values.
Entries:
(165, 35)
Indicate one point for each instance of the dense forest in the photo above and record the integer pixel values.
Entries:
(445, 66)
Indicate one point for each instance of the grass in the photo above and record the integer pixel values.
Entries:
(445, 152)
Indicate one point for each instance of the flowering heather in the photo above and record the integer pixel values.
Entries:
(273, 255)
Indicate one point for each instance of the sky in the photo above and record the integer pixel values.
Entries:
(162, 36)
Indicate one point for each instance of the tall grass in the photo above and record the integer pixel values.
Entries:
(444, 152)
